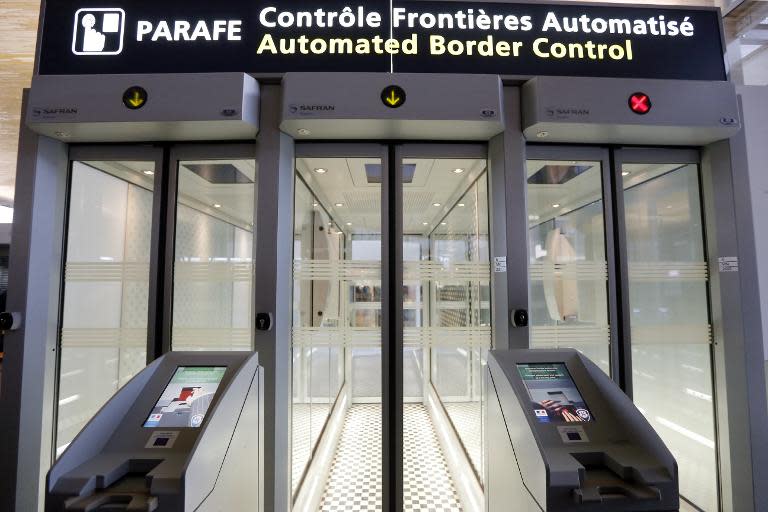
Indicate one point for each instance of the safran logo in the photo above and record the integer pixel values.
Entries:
(98, 31)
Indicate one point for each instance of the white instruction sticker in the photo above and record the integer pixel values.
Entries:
(500, 264)
(728, 263)
(162, 439)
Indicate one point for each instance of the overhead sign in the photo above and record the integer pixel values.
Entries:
(178, 36)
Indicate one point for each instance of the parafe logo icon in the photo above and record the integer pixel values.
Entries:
(98, 31)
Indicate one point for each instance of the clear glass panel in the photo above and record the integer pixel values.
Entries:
(337, 321)
(213, 267)
(568, 272)
(671, 333)
(106, 287)
(446, 310)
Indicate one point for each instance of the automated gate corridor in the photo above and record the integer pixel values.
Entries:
(337, 327)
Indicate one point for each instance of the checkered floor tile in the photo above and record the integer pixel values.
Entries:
(354, 484)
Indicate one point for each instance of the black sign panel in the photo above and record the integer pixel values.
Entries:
(183, 36)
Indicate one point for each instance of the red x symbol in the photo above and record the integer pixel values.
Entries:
(640, 103)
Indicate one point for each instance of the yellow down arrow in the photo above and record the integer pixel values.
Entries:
(136, 100)
(392, 99)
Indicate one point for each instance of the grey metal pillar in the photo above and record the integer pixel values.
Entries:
(507, 183)
(273, 257)
(26, 396)
(736, 320)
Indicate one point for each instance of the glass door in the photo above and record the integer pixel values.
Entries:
(569, 238)
(391, 325)
(667, 280)
(618, 270)
(446, 321)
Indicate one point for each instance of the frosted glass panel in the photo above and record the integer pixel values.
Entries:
(671, 335)
(568, 270)
(106, 287)
(213, 266)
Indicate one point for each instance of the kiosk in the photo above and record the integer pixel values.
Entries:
(182, 435)
(562, 436)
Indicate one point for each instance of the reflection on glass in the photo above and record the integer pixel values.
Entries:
(446, 306)
(337, 313)
(671, 334)
(106, 287)
(747, 42)
(567, 264)
(213, 267)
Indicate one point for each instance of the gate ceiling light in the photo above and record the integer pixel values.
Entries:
(436, 204)
(556, 205)
(149, 173)
(339, 205)
(458, 171)
(461, 205)
(216, 205)
(321, 170)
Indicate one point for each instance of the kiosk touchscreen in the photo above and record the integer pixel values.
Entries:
(562, 436)
(182, 435)
(186, 398)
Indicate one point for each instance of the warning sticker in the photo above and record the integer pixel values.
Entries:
(728, 264)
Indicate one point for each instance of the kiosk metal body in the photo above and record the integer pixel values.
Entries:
(184, 434)
(562, 436)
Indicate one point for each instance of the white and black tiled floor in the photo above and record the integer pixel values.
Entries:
(354, 483)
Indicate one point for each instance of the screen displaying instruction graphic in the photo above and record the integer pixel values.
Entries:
(186, 398)
(554, 396)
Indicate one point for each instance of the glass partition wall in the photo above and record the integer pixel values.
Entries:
(114, 293)
(213, 255)
(337, 321)
(103, 341)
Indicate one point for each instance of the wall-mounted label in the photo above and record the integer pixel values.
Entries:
(728, 264)
(500, 264)
(175, 36)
